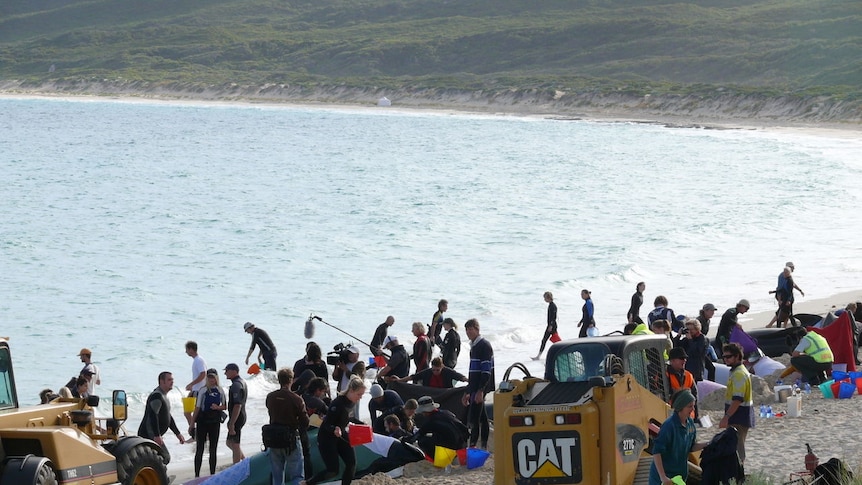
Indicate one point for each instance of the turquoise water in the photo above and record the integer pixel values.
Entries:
(131, 227)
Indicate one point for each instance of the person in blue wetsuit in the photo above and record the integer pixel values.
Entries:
(587, 319)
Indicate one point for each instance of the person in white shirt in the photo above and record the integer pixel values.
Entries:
(90, 368)
(199, 373)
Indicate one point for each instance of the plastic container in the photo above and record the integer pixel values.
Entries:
(838, 375)
(839, 367)
(462, 456)
(846, 390)
(476, 457)
(826, 389)
(836, 387)
(254, 369)
(361, 434)
(858, 382)
(189, 404)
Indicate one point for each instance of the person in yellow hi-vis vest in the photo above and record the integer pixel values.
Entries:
(812, 358)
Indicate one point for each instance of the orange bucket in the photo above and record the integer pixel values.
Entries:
(254, 369)
(360, 434)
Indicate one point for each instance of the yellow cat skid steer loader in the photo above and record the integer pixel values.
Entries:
(62, 442)
(590, 420)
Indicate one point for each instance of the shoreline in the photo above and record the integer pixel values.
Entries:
(669, 111)
(825, 423)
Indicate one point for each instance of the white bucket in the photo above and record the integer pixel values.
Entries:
(794, 406)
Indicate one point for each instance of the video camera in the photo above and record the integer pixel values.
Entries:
(338, 354)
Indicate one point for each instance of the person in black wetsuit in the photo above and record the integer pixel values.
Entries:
(376, 345)
(157, 413)
(261, 339)
(332, 438)
(450, 345)
(633, 315)
(551, 327)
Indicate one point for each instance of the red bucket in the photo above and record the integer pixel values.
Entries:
(555, 337)
(462, 456)
(360, 434)
(836, 389)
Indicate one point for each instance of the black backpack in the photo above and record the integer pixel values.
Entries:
(720, 461)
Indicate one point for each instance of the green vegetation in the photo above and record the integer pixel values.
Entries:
(769, 48)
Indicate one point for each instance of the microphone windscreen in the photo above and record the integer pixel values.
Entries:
(309, 328)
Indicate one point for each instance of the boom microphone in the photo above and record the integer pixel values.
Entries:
(309, 327)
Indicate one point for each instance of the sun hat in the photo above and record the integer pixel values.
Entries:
(247, 325)
(426, 405)
(677, 353)
(708, 307)
(376, 391)
(744, 302)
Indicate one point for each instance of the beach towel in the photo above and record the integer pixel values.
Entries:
(839, 334)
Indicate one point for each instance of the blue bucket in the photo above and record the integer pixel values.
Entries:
(476, 457)
(846, 390)
(838, 375)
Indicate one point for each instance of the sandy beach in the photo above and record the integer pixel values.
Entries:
(775, 448)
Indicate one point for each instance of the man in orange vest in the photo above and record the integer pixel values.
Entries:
(680, 378)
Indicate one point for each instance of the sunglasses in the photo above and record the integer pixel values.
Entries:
(727, 356)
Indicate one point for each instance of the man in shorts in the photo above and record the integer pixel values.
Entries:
(237, 394)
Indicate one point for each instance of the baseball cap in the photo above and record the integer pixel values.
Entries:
(212, 372)
(789, 264)
(708, 307)
(232, 367)
(85, 351)
(390, 339)
(247, 325)
(376, 391)
(744, 302)
(352, 349)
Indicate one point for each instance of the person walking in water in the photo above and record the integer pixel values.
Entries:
(157, 413)
(260, 339)
(633, 315)
(587, 319)
(551, 327)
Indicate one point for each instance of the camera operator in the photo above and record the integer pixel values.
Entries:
(696, 345)
(346, 364)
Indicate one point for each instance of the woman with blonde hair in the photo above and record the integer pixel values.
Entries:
(206, 420)
(332, 437)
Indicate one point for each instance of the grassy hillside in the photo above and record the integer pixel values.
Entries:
(770, 46)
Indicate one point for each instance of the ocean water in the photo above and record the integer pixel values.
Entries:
(132, 227)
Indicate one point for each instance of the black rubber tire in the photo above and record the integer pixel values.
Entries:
(142, 465)
(46, 476)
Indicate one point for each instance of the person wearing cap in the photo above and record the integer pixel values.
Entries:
(348, 365)
(287, 415)
(450, 345)
(157, 414)
(380, 333)
(205, 422)
(676, 438)
(730, 320)
(421, 347)
(812, 357)
(784, 296)
(438, 376)
(398, 365)
(90, 368)
(260, 339)
(384, 403)
(678, 377)
(705, 317)
(332, 436)
(440, 427)
(480, 380)
(236, 398)
(738, 397)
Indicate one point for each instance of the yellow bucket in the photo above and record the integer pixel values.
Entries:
(189, 404)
